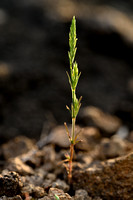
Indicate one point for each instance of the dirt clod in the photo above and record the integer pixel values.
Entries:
(10, 184)
(107, 179)
(59, 193)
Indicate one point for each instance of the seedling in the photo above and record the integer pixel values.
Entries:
(73, 78)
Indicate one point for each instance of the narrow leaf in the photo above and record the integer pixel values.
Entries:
(68, 133)
(57, 198)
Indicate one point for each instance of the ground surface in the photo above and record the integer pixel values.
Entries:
(33, 64)
(102, 165)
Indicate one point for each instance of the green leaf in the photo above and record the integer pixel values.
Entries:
(57, 197)
(72, 41)
(69, 79)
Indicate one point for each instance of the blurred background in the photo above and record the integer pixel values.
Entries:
(33, 61)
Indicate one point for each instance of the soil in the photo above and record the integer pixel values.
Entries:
(34, 91)
(102, 164)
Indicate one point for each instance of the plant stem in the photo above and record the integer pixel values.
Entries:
(70, 163)
(71, 150)
(73, 129)
(73, 116)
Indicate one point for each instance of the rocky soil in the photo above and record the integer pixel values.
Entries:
(102, 166)
(33, 61)
(34, 91)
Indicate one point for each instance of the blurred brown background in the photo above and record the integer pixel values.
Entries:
(33, 61)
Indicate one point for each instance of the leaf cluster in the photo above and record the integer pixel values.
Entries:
(74, 72)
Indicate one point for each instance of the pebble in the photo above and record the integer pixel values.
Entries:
(62, 139)
(28, 188)
(35, 191)
(110, 148)
(89, 137)
(17, 165)
(122, 132)
(38, 192)
(104, 121)
(32, 158)
(10, 184)
(81, 195)
(60, 193)
(61, 185)
(51, 176)
(17, 146)
(47, 184)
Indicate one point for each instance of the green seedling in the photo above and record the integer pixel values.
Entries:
(73, 78)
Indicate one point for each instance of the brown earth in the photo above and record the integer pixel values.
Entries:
(102, 165)
(34, 42)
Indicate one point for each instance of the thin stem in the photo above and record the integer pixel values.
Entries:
(70, 163)
(71, 150)
(73, 94)
(73, 129)
(73, 115)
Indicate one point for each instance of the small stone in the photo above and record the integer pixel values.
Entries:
(17, 165)
(61, 185)
(47, 184)
(49, 158)
(35, 191)
(49, 153)
(81, 195)
(62, 139)
(59, 193)
(38, 192)
(32, 158)
(17, 146)
(28, 189)
(48, 181)
(122, 132)
(38, 178)
(86, 158)
(97, 117)
(110, 148)
(89, 137)
(10, 184)
(51, 176)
